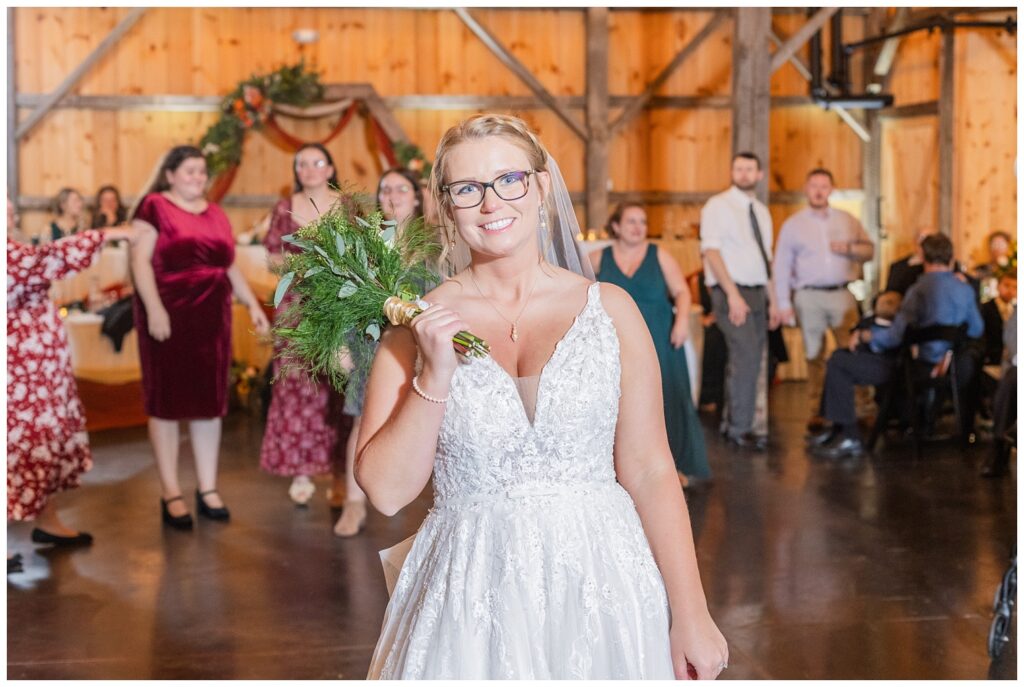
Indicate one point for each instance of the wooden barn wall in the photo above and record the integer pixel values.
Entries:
(984, 140)
(206, 51)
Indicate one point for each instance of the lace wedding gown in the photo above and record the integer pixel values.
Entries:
(532, 562)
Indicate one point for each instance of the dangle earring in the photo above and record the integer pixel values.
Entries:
(543, 220)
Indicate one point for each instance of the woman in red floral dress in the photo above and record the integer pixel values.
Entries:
(47, 447)
(306, 430)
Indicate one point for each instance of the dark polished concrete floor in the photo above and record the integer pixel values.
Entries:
(881, 567)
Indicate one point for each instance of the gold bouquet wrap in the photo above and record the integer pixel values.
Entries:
(400, 312)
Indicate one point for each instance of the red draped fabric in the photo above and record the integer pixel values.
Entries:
(285, 141)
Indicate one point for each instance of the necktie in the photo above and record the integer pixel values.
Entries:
(757, 238)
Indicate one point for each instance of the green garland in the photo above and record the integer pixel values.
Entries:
(249, 105)
(412, 158)
(347, 268)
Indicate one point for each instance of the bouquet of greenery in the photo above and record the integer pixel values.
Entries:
(354, 275)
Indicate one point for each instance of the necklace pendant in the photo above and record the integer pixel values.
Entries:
(514, 334)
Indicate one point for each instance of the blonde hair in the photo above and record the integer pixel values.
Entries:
(475, 128)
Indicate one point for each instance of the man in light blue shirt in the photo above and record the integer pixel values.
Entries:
(820, 250)
(939, 297)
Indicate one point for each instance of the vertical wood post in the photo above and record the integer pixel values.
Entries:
(871, 211)
(751, 103)
(597, 116)
(947, 103)
(751, 94)
(12, 113)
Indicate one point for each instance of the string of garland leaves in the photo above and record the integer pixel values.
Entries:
(249, 105)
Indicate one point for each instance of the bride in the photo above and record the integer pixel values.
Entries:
(559, 544)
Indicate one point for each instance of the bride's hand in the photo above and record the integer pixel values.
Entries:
(699, 643)
(434, 329)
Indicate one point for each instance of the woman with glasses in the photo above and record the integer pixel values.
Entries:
(305, 432)
(652, 277)
(558, 545)
(183, 267)
(399, 198)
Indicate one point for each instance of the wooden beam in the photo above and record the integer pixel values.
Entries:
(924, 109)
(76, 75)
(12, 113)
(138, 103)
(802, 35)
(597, 117)
(254, 200)
(232, 200)
(344, 91)
(519, 69)
(633, 108)
(871, 161)
(887, 55)
(751, 95)
(385, 118)
(206, 103)
(841, 112)
(947, 105)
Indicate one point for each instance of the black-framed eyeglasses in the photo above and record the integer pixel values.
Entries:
(508, 186)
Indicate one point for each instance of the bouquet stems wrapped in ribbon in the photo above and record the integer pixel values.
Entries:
(352, 277)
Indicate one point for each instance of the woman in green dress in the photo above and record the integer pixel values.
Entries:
(653, 278)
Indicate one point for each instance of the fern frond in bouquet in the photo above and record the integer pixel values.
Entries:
(354, 275)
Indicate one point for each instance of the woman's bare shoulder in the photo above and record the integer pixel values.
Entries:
(447, 292)
(618, 303)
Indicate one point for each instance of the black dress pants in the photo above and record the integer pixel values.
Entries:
(845, 370)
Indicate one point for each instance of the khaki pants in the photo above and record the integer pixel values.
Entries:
(818, 311)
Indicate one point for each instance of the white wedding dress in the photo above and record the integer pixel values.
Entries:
(532, 562)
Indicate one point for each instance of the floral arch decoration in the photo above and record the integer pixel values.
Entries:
(291, 91)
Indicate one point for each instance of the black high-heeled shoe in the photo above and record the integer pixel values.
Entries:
(178, 522)
(14, 564)
(207, 511)
(42, 537)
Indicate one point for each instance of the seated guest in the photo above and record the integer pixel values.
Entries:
(69, 208)
(883, 312)
(938, 298)
(995, 313)
(110, 212)
(998, 256)
(903, 273)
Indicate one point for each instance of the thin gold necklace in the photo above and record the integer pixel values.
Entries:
(514, 331)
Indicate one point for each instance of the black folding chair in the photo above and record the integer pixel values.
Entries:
(922, 379)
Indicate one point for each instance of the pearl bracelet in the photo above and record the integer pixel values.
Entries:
(427, 397)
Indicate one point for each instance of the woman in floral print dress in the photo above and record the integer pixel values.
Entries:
(47, 447)
(306, 430)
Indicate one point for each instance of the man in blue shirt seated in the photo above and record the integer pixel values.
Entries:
(939, 297)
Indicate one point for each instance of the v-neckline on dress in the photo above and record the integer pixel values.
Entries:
(639, 265)
(543, 370)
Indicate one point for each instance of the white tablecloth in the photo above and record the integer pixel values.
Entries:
(108, 269)
(93, 356)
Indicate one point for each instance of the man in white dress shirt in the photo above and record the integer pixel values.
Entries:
(736, 241)
(819, 252)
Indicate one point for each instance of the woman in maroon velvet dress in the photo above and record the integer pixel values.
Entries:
(306, 430)
(183, 264)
